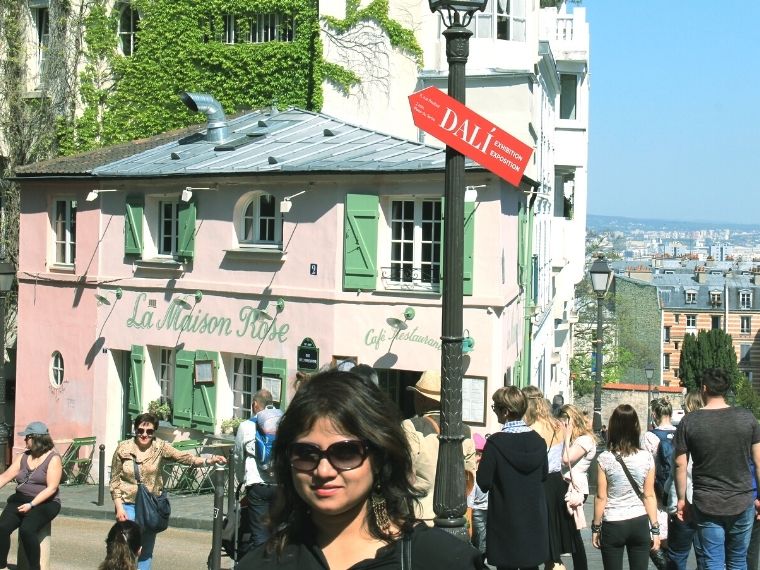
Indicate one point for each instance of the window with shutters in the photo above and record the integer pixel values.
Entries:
(157, 228)
(168, 228)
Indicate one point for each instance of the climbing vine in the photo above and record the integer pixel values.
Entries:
(180, 48)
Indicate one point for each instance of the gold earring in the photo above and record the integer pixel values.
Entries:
(380, 510)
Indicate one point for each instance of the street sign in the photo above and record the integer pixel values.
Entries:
(307, 358)
(474, 136)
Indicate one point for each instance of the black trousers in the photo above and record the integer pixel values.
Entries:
(28, 524)
(632, 535)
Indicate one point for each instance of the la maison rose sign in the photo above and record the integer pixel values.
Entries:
(474, 136)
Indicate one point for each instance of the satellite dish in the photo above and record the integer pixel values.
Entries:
(102, 300)
(397, 324)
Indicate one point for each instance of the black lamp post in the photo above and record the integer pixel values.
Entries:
(601, 277)
(7, 275)
(448, 498)
(649, 373)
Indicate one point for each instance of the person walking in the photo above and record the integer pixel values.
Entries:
(720, 440)
(625, 508)
(345, 495)
(422, 431)
(579, 452)
(149, 454)
(37, 473)
(122, 546)
(259, 481)
(512, 471)
(561, 524)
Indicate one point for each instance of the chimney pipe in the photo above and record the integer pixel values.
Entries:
(216, 127)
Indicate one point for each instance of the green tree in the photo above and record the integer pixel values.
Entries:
(709, 349)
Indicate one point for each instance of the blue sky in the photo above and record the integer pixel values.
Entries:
(675, 109)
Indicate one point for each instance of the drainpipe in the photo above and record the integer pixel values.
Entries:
(526, 283)
(216, 127)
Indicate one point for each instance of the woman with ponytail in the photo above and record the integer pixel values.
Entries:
(122, 546)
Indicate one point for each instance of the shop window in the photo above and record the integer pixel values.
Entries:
(501, 20)
(746, 325)
(64, 230)
(568, 96)
(129, 20)
(260, 221)
(56, 370)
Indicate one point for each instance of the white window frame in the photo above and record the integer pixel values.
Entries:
(165, 375)
(418, 272)
(57, 370)
(127, 35)
(745, 299)
(691, 327)
(64, 231)
(505, 18)
(249, 217)
(173, 234)
(715, 298)
(42, 31)
(259, 28)
(691, 297)
(746, 324)
(666, 361)
(244, 383)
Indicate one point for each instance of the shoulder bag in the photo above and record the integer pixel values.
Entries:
(574, 499)
(151, 512)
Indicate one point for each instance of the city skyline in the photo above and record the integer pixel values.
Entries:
(668, 128)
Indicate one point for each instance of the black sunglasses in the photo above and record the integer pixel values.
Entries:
(342, 455)
(148, 431)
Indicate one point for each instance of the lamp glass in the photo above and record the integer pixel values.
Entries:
(601, 275)
(649, 372)
(458, 5)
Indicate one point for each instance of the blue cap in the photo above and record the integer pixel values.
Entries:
(35, 428)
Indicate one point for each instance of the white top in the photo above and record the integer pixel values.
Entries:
(580, 469)
(246, 467)
(622, 501)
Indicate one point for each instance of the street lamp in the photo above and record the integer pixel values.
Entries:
(7, 275)
(448, 498)
(601, 278)
(649, 372)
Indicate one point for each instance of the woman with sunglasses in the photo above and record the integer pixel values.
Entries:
(149, 454)
(346, 498)
(37, 473)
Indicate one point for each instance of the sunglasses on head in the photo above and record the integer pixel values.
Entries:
(342, 455)
(141, 431)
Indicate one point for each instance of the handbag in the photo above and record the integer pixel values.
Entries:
(574, 500)
(151, 512)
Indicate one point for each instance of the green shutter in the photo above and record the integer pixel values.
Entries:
(133, 224)
(360, 242)
(182, 411)
(204, 397)
(277, 368)
(186, 239)
(136, 361)
(469, 247)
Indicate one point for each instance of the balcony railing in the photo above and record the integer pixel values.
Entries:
(565, 28)
(405, 278)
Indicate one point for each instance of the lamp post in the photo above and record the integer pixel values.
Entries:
(7, 275)
(601, 277)
(649, 373)
(448, 498)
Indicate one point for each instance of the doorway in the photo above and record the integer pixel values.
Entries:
(121, 364)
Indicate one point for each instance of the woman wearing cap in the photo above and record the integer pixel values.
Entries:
(149, 453)
(35, 503)
(345, 496)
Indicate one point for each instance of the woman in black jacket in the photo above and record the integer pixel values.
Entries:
(512, 469)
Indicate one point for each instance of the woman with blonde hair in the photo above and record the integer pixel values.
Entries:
(579, 452)
(561, 524)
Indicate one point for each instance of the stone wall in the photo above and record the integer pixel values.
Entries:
(634, 394)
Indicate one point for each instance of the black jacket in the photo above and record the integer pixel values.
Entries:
(512, 470)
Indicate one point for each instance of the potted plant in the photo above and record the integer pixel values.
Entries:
(230, 425)
(162, 410)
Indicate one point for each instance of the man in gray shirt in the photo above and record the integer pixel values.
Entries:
(721, 441)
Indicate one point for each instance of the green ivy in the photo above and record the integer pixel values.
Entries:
(179, 48)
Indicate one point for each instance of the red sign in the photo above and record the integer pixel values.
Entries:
(474, 136)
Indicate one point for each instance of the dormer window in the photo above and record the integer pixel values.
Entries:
(691, 297)
(745, 299)
(715, 298)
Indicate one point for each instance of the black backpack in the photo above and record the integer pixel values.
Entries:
(664, 464)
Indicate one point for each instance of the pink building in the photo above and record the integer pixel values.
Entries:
(197, 267)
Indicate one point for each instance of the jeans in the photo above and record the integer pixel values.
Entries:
(28, 526)
(260, 499)
(479, 517)
(725, 539)
(632, 535)
(148, 541)
(682, 536)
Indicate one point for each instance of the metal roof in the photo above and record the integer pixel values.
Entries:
(292, 140)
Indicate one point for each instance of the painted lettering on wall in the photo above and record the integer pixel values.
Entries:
(376, 337)
(177, 318)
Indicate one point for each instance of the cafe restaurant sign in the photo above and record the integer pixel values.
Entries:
(175, 318)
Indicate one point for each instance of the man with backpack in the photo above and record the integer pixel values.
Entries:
(253, 462)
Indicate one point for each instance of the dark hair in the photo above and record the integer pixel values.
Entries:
(511, 400)
(40, 443)
(716, 381)
(146, 418)
(359, 408)
(624, 432)
(661, 407)
(122, 546)
(366, 372)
